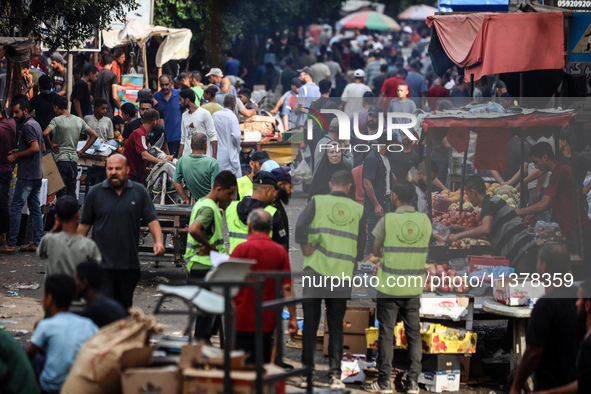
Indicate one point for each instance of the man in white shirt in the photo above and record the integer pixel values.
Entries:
(229, 137)
(99, 121)
(196, 120)
(352, 98)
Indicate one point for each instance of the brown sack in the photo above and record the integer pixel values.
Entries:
(96, 369)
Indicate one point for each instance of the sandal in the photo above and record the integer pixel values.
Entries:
(28, 248)
(7, 249)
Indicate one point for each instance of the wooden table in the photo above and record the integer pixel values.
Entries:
(518, 316)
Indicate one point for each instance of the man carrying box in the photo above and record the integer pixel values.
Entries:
(404, 236)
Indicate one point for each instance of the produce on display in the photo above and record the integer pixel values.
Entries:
(548, 233)
(448, 279)
(506, 192)
(470, 218)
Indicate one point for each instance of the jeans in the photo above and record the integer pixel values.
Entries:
(582, 270)
(387, 314)
(69, 172)
(335, 309)
(25, 190)
(5, 178)
(371, 219)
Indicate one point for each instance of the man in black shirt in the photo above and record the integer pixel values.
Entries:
(579, 163)
(81, 93)
(402, 162)
(501, 226)
(554, 330)
(100, 309)
(105, 86)
(42, 103)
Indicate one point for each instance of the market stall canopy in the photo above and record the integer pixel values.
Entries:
(175, 46)
(370, 20)
(478, 42)
(417, 12)
(473, 5)
(351, 6)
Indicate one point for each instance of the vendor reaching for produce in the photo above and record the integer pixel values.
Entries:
(501, 226)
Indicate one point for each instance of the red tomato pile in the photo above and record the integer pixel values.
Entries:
(470, 218)
(446, 281)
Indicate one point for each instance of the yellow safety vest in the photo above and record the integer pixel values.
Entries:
(216, 240)
(237, 229)
(244, 187)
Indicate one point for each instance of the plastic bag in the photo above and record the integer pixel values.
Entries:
(303, 171)
(548, 232)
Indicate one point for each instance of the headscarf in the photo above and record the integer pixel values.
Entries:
(324, 174)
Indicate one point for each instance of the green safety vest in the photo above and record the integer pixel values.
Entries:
(244, 187)
(237, 229)
(217, 241)
(405, 252)
(334, 230)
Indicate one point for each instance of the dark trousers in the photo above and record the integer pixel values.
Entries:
(69, 171)
(121, 285)
(205, 325)
(583, 245)
(5, 178)
(246, 341)
(371, 219)
(173, 147)
(387, 314)
(335, 309)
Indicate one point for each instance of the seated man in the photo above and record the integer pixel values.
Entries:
(269, 256)
(89, 283)
(60, 335)
(63, 247)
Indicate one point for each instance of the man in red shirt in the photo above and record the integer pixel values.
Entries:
(558, 195)
(269, 256)
(438, 90)
(136, 148)
(390, 88)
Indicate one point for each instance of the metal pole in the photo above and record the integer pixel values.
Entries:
(464, 162)
(227, 347)
(258, 336)
(145, 61)
(521, 89)
(278, 324)
(70, 78)
(429, 187)
(471, 87)
(523, 196)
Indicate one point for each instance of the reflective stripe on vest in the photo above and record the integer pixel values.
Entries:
(406, 244)
(334, 232)
(238, 231)
(244, 187)
(216, 240)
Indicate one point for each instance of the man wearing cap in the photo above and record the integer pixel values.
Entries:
(228, 137)
(257, 158)
(332, 135)
(324, 102)
(283, 176)
(59, 74)
(169, 98)
(352, 98)
(215, 76)
(209, 95)
(264, 190)
(157, 136)
(328, 230)
(196, 120)
(105, 86)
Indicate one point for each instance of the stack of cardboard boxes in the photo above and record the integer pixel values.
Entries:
(356, 320)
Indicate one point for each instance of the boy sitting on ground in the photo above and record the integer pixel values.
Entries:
(60, 335)
(63, 248)
(100, 309)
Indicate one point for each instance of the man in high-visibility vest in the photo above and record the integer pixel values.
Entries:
(328, 230)
(404, 236)
(205, 235)
(257, 158)
(265, 188)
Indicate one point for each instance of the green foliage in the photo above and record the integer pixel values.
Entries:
(62, 23)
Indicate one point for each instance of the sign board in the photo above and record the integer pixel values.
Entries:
(575, 5)
(579, 38)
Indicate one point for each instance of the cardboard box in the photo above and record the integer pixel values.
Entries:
(151, 380)
(352, 343)
(437, 338)
(262, 127)
(441, 381)
(477, 263)
(465, 370)
(441, 362)
(516, 292)
(356, 320)
(52, 174)
(451, 306)
(199, 381)
(92, 160)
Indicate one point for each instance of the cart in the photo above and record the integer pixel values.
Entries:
(174, 221)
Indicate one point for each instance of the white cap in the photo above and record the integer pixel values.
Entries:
(216, 72)
(359, 73)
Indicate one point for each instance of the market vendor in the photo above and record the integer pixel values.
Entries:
(558, 195)
(501, 226)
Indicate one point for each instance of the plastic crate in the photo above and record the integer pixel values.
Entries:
(476, 263)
